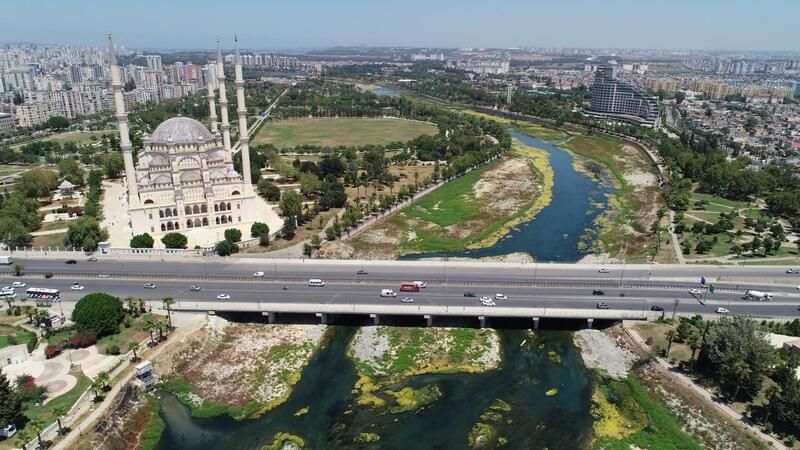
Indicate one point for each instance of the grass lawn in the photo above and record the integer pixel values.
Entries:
(303, 232)
(406, 174)
(13, 335)
(657, 331)
(50, 240)
(134, 333)
(541, 132)
(80, 137)
(45, 412)
(6, 170)
(340, 131)
(696, 196)
(54, 226)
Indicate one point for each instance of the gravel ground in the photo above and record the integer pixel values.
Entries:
(601, 352)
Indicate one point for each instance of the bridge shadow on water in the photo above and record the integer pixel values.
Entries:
(363, 320)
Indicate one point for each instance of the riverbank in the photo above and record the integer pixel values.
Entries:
(242, 370)
(473, 211)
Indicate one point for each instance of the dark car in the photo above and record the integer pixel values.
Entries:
(598, 292)
(362, 272)
(71, 261)
(469, 294)
(656, 308)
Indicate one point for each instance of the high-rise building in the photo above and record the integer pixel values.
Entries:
(74, 76)
(154, 62)
(614, 99)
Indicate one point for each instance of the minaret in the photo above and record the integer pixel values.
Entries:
(122, 118)
(212, 105)
(223, 101)
(241, 110)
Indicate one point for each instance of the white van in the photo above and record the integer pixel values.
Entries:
(316, 282)
(421, 284)
(388, 293)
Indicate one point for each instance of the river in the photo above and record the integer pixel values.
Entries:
(555, 233)
(534, 420)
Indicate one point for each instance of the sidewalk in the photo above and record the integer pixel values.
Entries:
(708, 396)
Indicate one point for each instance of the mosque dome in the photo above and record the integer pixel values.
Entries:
(180, 130)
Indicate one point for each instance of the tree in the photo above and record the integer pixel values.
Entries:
(10, 403)
(291, 203)
(95, 179)
(150, 325)
(37, 425)
(268, 190)
(133, 347)
(18, 268)
(258, 229)
(168, 302)
(37, 183)
(57, 123)
(288, 228)
(70, 170)
(732, 341)
(226, 248)
(308, 250)
(13, 233)
(98, 312)
(309, 183)
(174, 240)
(671, 335)
(85, 233)
(60, 411)
(680, 96)
(113, 164)
(143, 240)
(233, 235)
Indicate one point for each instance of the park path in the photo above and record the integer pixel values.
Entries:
(707, 396)
(676, 245)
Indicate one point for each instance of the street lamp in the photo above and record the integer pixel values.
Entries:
(69, 354)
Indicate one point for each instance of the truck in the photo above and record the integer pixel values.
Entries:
(409, 287)
(758, 295)
(6, 260)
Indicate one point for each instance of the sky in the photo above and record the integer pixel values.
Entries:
(193, 24)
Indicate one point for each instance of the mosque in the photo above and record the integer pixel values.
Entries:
(184, 178)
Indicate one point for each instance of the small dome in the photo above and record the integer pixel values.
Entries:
(233, 174)
(190, 176)
(144, 181)
(217, 174)
(180, 130)
(215, 156)
(158, 160)
(162, 179)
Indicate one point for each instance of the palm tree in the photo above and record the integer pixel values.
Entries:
(168, 302)
(97, 388)
(28, 310)
(37, 426)
(742, 372)
(60, 412)
(130, 304)
(10, 301)
(671, 335)
(22, 439)
(695, 342)
(140, 305)
(150, 326)
(133, 346)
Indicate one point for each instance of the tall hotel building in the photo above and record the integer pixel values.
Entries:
(615, 100)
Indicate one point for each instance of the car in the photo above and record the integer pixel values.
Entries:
(150, 286)
(71, 261)
(489, 302)
(421, 284)
(469, 294)
(722, 311)
(76, 287)
(362, 272)
(485, 299)
(598, 292)
(388, 293)
(604, 270)
(223, 297)
(19, 284)
(406, 300)
(695, 291)
(92, 259)
(601, 305)
(194, 288)
(500, 297)
(259, 274)
(6, 291)
(656, 308)
(792, 271)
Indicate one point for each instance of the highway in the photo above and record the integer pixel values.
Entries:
(344, 287)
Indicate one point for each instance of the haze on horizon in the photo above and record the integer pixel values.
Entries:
(678, 24)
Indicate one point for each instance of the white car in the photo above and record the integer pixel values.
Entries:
(150, 286)
(76, 287)
(19, 284)
(485, 299)
(421, 284)
(7, 292)
(722, 311)
(490, 302)
(223, 297)
(500, 297)
(259, 274)
(793, 271)
(695, 291)
(604, 270)
(406, 300)
(388, 293)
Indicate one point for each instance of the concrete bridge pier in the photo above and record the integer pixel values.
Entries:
(589, 323)
(323, 318)
(428, 319)
(376, 319)
(270, 316)
(482, 321)
(535, 323)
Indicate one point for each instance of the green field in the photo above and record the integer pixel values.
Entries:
(342, 131)
(80, 137)
(541, 132)
(13, 335)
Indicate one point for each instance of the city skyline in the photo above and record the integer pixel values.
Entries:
(712, 25)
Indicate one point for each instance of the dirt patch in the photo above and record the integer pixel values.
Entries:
(605, 353)
(506, 187)
(639, 178)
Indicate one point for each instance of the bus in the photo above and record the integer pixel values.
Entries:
(43, 294)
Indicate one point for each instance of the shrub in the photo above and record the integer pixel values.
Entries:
(112, 349)
(82, 340)
(174, 240)
(233, 235)
(48, 275)
(51, 351)
(100, 313)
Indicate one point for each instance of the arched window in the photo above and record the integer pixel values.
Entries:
(167, 213)
(204, 208)
(235, 193)
(163, 227)
(224, 219)
(228, 207)
(148, 202)
(177, 227)
(160, 213)
(169, 226)
(188, 210)
(197, 223)
(230, 219)
(216, 219)
(216, 208)
(189, 223)
(196, 209)
(175, 212)
(205, 221)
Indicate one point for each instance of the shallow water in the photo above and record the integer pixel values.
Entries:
(333, 421)
(554, 233)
